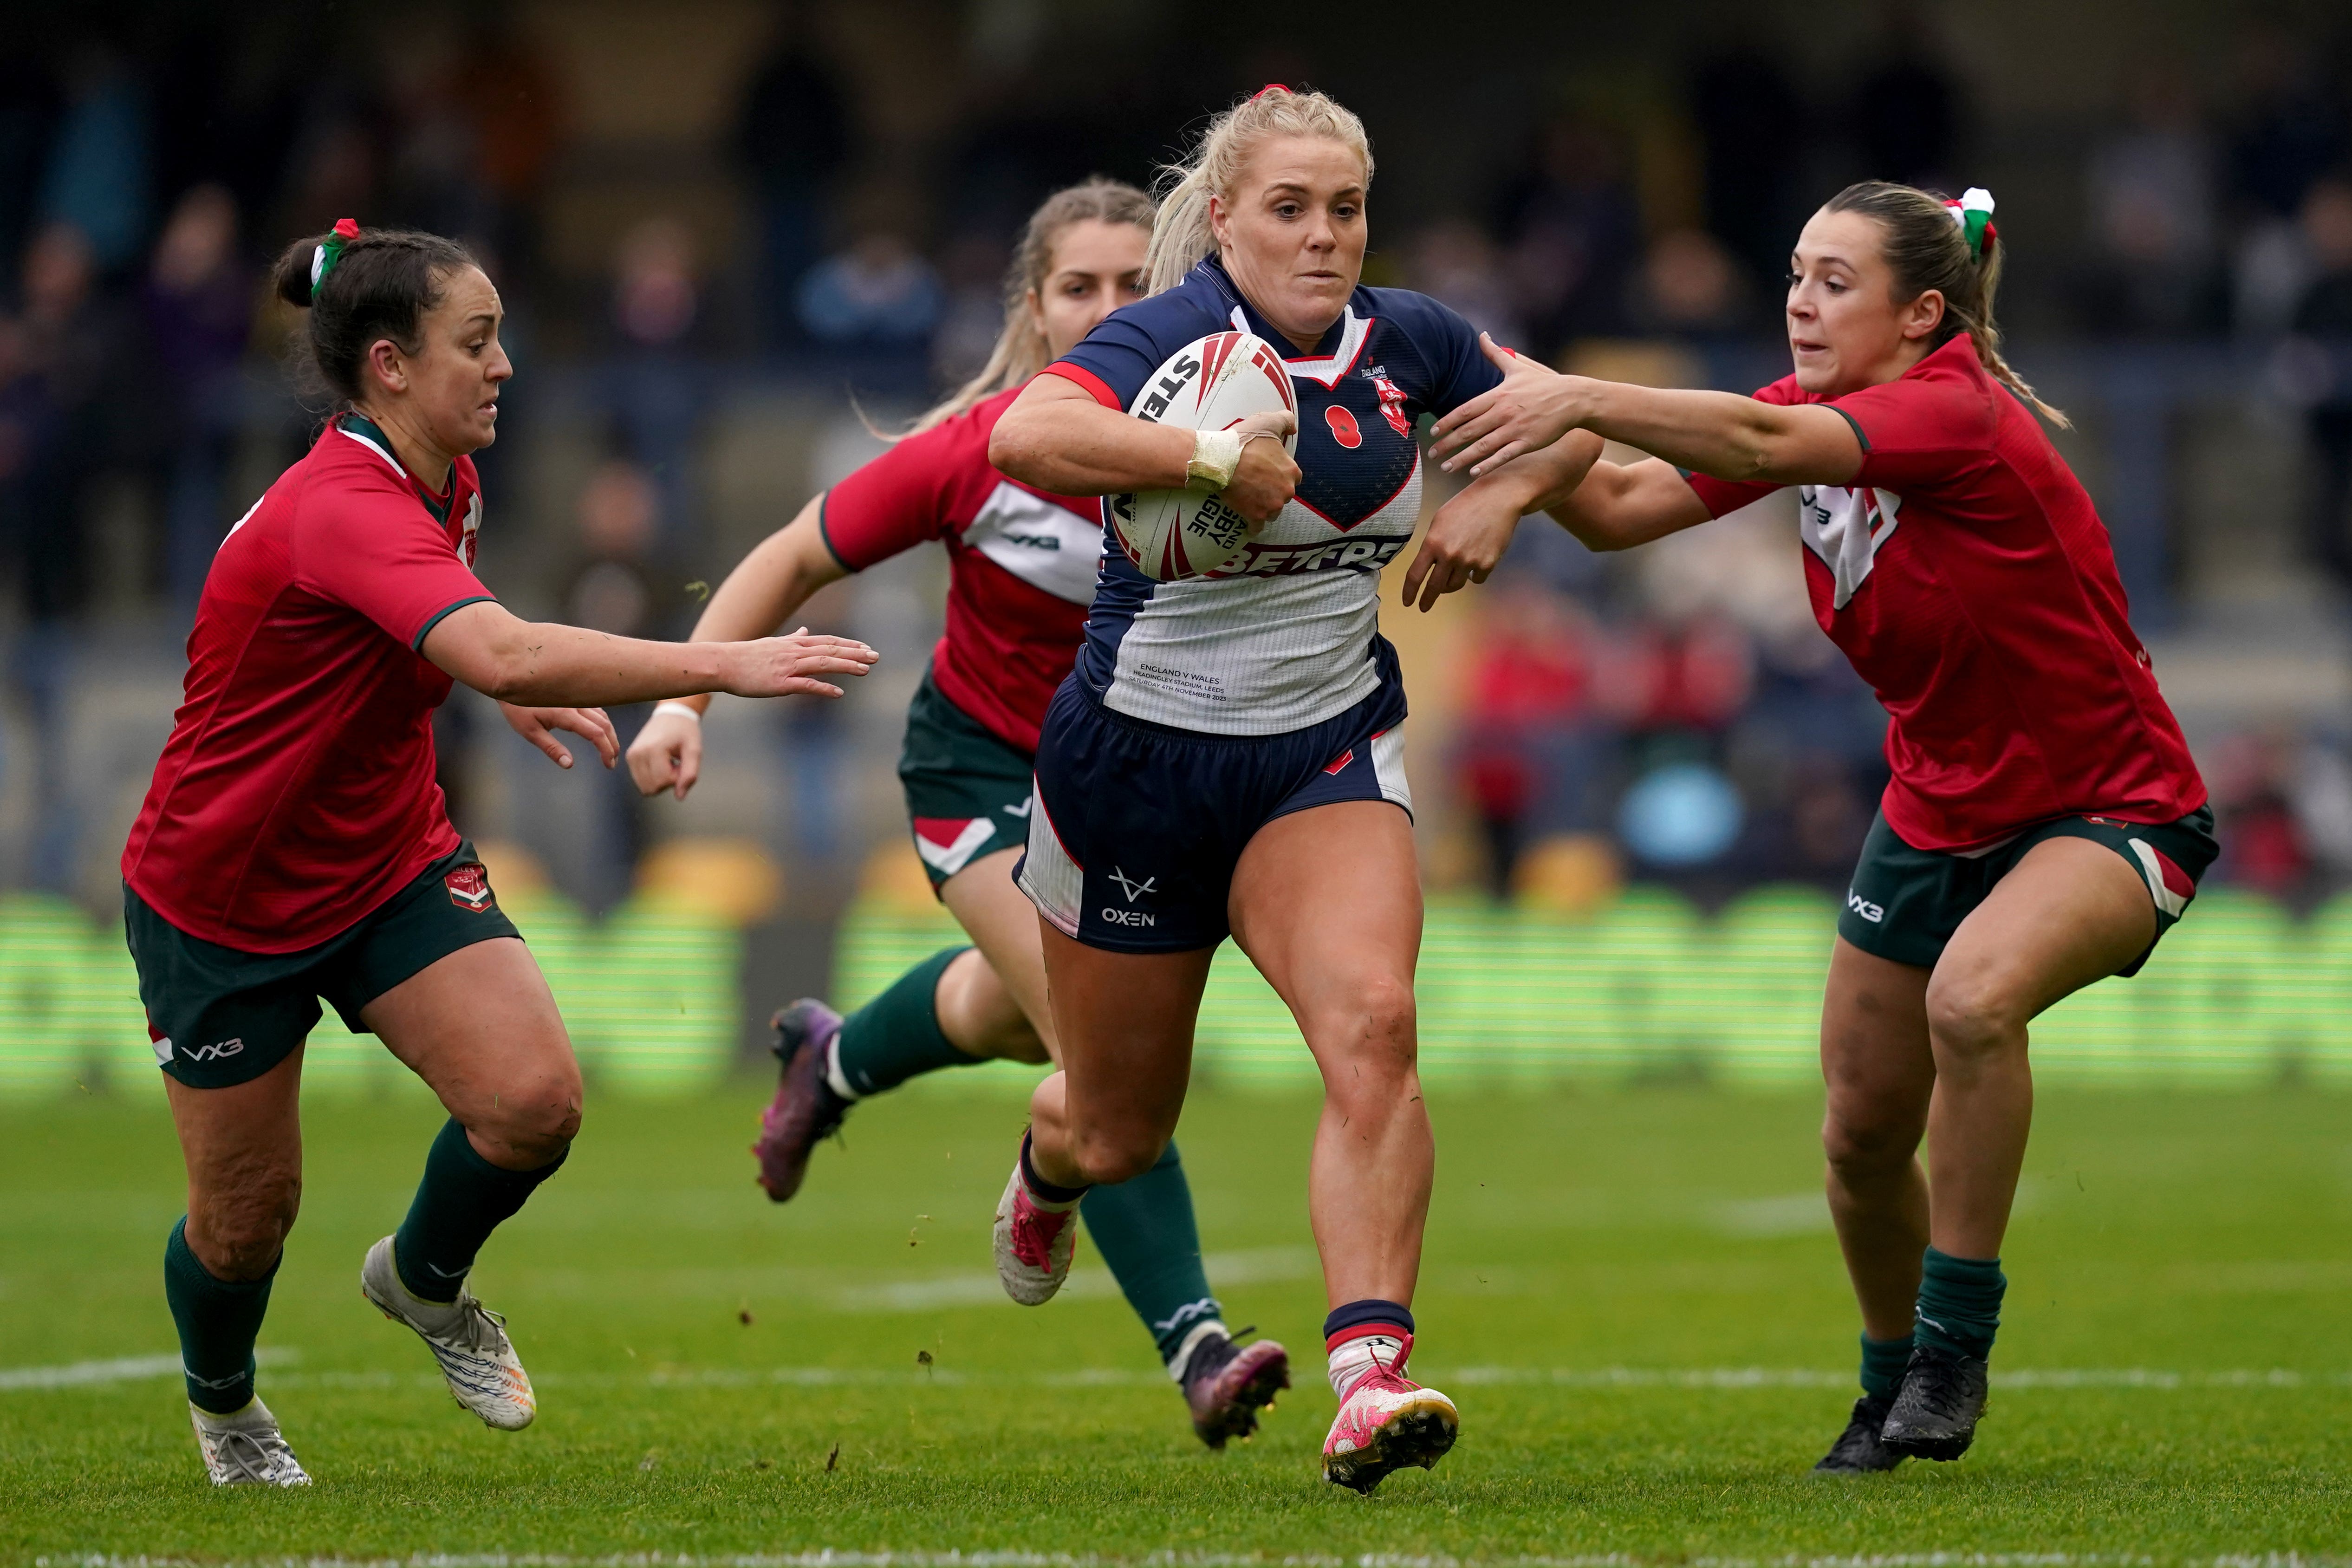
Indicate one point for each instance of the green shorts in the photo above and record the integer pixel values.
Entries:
(220, 1015)
(968, 790)
(1903, 904)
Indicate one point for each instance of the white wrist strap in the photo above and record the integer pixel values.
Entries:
(1215, 454)
(688, 709)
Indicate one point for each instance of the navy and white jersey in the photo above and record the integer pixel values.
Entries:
(1284, 638)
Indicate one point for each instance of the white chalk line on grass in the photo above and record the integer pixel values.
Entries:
(120, 1369)
(79, 1375)
(1204, 1560)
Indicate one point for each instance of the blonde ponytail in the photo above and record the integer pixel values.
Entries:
(1180, 234)
(1020, 350)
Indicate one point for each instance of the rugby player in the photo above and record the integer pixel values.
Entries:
(1226, 758)
(2044, 825)
(293, 846)
(1022, 572)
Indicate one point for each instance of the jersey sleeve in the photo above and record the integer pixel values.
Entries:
(1723, 496)
(377, 550)
(1120, 355)
(904, 498)
(1459, 368)
(1918, 430)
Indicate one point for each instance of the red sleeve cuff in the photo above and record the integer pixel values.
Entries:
(1093, 384)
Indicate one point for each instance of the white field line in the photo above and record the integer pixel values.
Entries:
(1256, 1266)
(830, 1559)
(121, 1369)
(83, 1373)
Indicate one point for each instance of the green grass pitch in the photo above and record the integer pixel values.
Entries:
(1631, 1295)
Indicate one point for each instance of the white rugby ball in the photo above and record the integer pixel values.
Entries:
(1212, 383)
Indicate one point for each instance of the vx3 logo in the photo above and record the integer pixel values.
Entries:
(1130, 887)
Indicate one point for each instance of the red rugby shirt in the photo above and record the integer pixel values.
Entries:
(296, 794)
(1968, 578)
(1021, 564)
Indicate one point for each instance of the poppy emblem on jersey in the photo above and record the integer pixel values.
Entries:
(947, 843)
(469, 888)
(1392, 401)
(2167, 884)
(1343, 427)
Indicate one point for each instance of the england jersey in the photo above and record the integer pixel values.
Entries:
(1968, 578)
(1285, 637)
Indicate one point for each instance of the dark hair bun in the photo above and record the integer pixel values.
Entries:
(290, 279)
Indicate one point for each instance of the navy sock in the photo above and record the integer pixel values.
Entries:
(896, 1035)
(218, 1321)
(461, 1199)
(1959, 1303)
(1371, 1311)
(1039, 1187)
(1144, 1229)
(1883, 1361)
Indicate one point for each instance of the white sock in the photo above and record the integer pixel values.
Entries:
(1352, 1358)
(834, 1076)
(1181, 1361)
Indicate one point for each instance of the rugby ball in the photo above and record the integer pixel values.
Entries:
(1212, 383)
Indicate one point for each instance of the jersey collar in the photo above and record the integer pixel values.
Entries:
(1333, 356)
(365, 431)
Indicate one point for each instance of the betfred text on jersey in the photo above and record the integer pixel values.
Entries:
(1337, 555)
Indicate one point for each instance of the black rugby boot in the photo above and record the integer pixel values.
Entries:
(1936, 1410)
(1859, 1450)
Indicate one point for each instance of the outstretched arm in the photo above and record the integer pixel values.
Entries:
(1720, 434)
(1057, 437)
(767, 585)
(540, 663)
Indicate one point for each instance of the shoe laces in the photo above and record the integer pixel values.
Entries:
(251, 1456)
(475, 1328)
(1389, 1374)
(1034, 1230)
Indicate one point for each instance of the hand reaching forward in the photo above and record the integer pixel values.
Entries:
(537, 725)
(1268, 475)
(792, 666)
(1534, 407)
(667, 752)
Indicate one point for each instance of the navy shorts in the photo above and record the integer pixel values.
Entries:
(1137, 826)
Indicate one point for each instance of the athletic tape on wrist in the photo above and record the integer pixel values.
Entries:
(688, 709)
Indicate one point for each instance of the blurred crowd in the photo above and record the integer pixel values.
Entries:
(1668, 716)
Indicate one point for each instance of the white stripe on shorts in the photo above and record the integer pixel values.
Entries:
(1054, 881)
(1388, 767)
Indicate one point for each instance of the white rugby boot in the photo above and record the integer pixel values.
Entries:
(244, 1449)
(1036, 1241)
(469, 1341)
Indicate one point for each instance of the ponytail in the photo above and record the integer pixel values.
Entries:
(1953, 248)
(1181, 236)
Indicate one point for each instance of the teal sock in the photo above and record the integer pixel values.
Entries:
(1883, 1361)
(218, 1321)
(1959, 1303)
(896, 1035)
(460, 1201)
(1143, 1227)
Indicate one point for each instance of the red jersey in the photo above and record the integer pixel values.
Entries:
(1021, 564)
(1966, 574)
(296, 794)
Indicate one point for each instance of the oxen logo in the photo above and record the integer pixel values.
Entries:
(469, 888)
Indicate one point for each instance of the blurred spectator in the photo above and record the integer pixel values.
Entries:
(1691, 288)
(2152, 189)
(657, 392)
(611, 588)
(1573, 235)
(972, 273)
(1752, 202)
(199, 314)
(96, 174)
(2290, 131)
(1454, 262)
(2262, 844)
(28, 111)
(793, 140)
(1525, 766)
(880, 294)
(516, 107)
(2323, 320)
(1905, 114)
